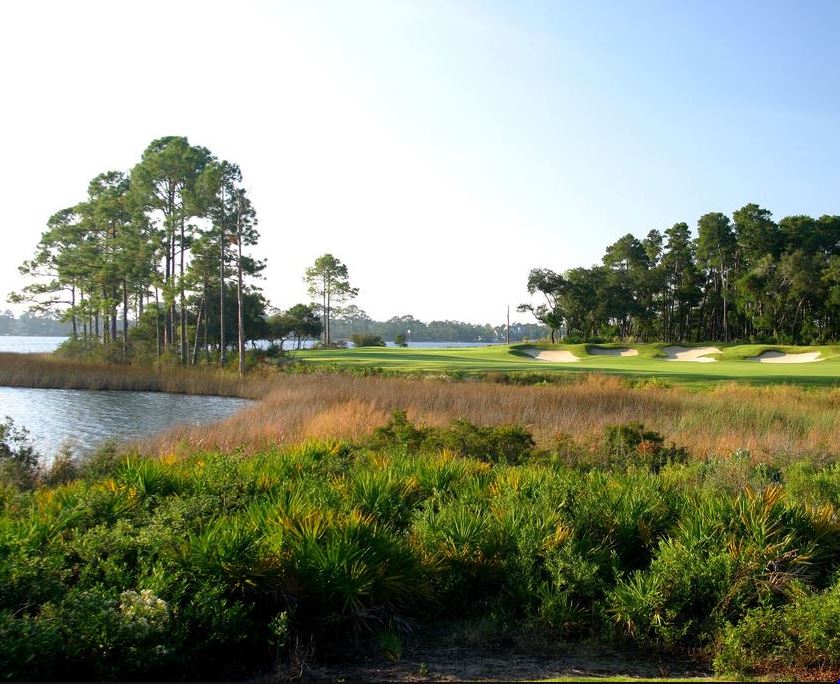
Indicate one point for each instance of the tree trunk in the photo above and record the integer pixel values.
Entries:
(222, 283)
(239, 317)
(183, 301)
(73, 309)
(125, 321)
(157, 326)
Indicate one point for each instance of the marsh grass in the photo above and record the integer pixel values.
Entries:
(765, 421)
(47, 371)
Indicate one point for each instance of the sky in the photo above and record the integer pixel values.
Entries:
(441, 150)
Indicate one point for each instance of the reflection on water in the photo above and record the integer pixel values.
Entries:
(86, 418)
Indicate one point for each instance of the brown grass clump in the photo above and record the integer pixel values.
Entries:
(50, 372)
(767, 421)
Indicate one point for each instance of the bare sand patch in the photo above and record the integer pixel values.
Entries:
(552, 355)
(697, 354)
(784, 357)
(606, 351)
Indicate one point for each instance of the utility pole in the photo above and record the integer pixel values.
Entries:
(508, 325)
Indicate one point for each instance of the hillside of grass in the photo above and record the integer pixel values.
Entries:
(218, 566)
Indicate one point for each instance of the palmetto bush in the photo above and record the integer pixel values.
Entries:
(186, 566)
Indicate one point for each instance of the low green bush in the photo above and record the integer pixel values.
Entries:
(632, 444)
(494, 444)
(366, 340)
(800, 637)
(222, 566)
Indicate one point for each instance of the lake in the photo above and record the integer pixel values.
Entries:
(29, 345)
(41, 345)
(86, 418)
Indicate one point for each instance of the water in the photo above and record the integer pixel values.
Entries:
(20, 343)
(87, 418)
(308, 344)
(26, 344)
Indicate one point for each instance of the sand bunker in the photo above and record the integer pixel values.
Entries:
(690, 354)
(605, 351)
(782, 357)
(554, 355)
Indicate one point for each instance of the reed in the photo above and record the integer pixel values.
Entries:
(50, 372)
(767, 421)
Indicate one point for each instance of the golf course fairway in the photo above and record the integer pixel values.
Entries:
(731, 363)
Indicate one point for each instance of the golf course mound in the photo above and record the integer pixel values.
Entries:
(608, 351)
(784, 357)
(698, 354)
(551, 355)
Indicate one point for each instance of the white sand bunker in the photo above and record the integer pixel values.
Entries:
(697, 354)
(782, 357)
(606, 351)
(553, 355)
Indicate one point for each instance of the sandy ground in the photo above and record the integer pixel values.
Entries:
(697, 354)
(602, 351)
(553, 356)
(782, 357)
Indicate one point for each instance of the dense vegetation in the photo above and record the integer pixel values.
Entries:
(744, 278)
(218, 565)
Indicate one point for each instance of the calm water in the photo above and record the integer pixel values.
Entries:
(14, 343)
(86, 418)
(19, 343)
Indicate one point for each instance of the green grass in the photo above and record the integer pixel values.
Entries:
(731, 366)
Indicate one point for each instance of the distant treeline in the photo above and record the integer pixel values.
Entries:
(747, 277)
(31, 324)
(354, 321)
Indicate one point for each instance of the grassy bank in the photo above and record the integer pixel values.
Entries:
(217, 566)
(48, 371)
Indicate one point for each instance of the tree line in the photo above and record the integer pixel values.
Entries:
(163, 244)
(744, 277)
(32, 324)
(353, 320)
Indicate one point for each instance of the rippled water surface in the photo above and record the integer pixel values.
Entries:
(86, 418)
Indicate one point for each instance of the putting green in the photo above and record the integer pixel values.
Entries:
(731, 363)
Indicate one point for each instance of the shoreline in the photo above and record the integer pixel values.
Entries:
(44, 371)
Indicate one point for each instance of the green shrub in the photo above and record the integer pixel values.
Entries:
(366, 340)
(18, 458)
(494, 444)
(632, 444)
(801, 636)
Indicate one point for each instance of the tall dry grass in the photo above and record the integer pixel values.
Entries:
(50, 372)
(767, 421)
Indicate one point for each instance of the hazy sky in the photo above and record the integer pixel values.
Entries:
(440, 149)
